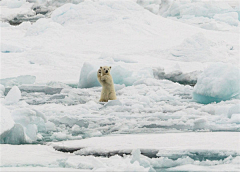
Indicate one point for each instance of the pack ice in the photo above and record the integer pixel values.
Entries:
(219, 82)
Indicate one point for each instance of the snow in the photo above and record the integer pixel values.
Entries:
(13, 96)
(218, 82)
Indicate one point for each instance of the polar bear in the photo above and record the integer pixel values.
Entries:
(105, 79)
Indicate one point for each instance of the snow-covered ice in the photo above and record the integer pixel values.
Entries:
(175, 66)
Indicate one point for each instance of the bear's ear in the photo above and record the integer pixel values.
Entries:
(100, 67)
(110, 67)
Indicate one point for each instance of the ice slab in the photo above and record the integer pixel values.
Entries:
(22, 79)
(38, 88)
(219, 82)
(224, 141)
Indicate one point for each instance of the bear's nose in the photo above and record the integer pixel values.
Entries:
(106, 71)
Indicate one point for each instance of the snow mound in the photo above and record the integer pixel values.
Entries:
(41, 26)
(218, 82)
(13, 96)
(121, 75)
(199, 48)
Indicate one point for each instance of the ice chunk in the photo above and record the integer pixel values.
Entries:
(32, 121)
(10, 133)
(2, 90)
(6, 121)
(199, 123)
(13, 95)
(71, 121)
(31, 131)
(136, 156)
(113, 103)
(218, 82)
(233, 110)
(22, 79)
(177, 76)
(88, 76)
(120, 75)
(50, 126)
(15, 136)
(59, 136)
(235, 118)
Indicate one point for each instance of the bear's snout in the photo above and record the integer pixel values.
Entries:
(106, 71)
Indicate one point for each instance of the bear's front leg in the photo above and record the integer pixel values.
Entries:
(99, 76)
(99, 73)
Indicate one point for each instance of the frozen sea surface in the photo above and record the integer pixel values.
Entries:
(49, 89)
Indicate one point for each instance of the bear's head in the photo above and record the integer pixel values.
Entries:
(105, 70)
